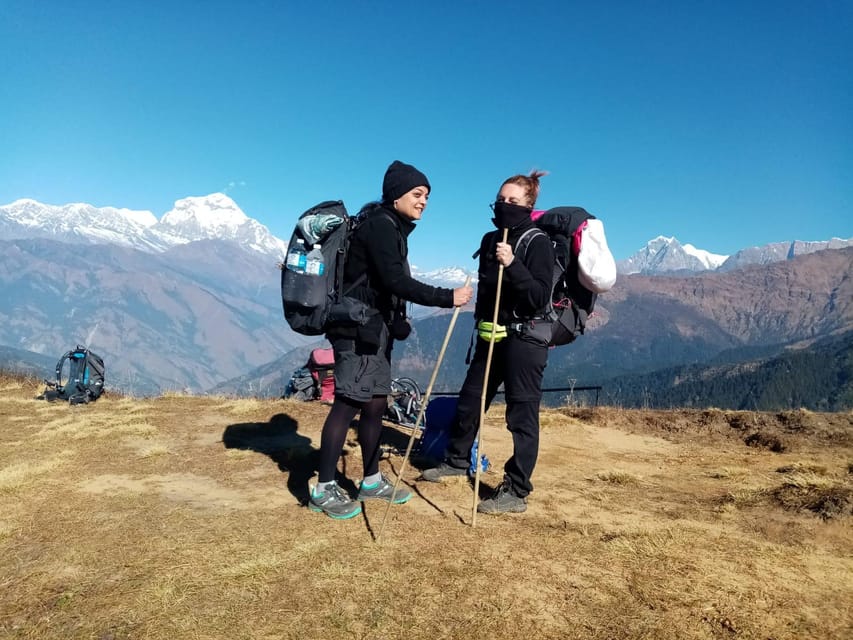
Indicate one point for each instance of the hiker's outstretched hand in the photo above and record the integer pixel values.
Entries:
(462, 295)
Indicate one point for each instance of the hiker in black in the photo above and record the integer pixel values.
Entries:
(379, 251)
(519, 357)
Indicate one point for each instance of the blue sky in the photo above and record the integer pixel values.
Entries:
(724, 124)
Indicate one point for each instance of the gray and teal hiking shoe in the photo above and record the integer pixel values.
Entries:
(334, 502)
(443, 470)
(383, 490)
(503, 501)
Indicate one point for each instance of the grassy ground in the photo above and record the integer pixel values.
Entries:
(182, 517)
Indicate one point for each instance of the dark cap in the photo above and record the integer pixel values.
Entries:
(400, 178)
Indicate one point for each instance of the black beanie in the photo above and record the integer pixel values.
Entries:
(400, 178)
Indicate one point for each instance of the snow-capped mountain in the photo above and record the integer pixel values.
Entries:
(445, 277)
(778, 251)
(215, 216)
(666, 255)
(80, 222)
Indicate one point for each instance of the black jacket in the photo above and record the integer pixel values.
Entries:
(526, 288)
(379, 249)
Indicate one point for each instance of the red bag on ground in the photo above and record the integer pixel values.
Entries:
(321, 363)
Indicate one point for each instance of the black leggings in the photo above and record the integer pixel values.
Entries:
(335, 434)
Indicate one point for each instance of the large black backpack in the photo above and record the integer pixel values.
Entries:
(571, 302)
(307, 299)
(79, 377)
(313, 303)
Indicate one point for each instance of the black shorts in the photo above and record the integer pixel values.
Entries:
(362, 372)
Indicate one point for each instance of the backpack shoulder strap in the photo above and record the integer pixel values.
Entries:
(489, 239)
(526, 238)
(59, 364)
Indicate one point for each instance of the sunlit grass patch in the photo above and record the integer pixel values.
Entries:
(167, 592)
(651, 542)
(175, 393)
(549, 419)
(727, 472)
(129, 429)
(78, 426)
(153, 451)
(805, 491)
(618, 477)
(807, 480)
(239, 454)
(744, 496)
(127, 404)
(6, 530)
(803, 467)
(245, 406)
(260, 565)
(17, 476)
(811, 492)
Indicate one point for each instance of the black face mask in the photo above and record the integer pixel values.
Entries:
(509, 215)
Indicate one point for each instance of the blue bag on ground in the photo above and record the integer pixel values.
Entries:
(438, 418)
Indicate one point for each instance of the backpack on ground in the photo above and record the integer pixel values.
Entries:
(438, 419)
(316, 380)
(301, 386)
(404, 402)
(321, 364)
(583, 268)
(79, 377)
(312, 294)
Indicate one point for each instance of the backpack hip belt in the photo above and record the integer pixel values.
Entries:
(537, 329)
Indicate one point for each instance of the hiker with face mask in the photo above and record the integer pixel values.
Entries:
(521, 345)
(377, 273)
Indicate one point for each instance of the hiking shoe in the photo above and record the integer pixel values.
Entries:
(383, 490)
(443, 470)
(334, 503)
(503, 501)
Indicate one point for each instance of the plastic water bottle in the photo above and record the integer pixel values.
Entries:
(314, 264)
(296, 257)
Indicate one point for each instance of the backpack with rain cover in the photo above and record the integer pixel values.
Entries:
(314, 301)
(583, 268)
(316, 380)
(79, 377)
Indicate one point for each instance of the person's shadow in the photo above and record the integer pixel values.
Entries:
(278, 439)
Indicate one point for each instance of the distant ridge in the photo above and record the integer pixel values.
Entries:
(666, 256)
(779, 251)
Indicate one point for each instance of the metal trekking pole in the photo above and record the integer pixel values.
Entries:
(485, 391)
(421, 411)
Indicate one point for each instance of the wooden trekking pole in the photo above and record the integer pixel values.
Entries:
(478, 440)
(421, 411)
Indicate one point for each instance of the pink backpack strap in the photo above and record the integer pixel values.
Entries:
(577, 238)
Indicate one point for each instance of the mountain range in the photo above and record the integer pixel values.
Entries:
(667, 255)
(191, 301)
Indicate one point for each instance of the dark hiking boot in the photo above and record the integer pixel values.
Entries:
(383, 490)
(443, 470)
(503, 501)
(334, 503)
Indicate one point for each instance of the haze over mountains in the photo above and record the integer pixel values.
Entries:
(191, 301)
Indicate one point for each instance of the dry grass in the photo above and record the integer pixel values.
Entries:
(181, 517)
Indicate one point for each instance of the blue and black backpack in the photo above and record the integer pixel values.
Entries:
(79, 377)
